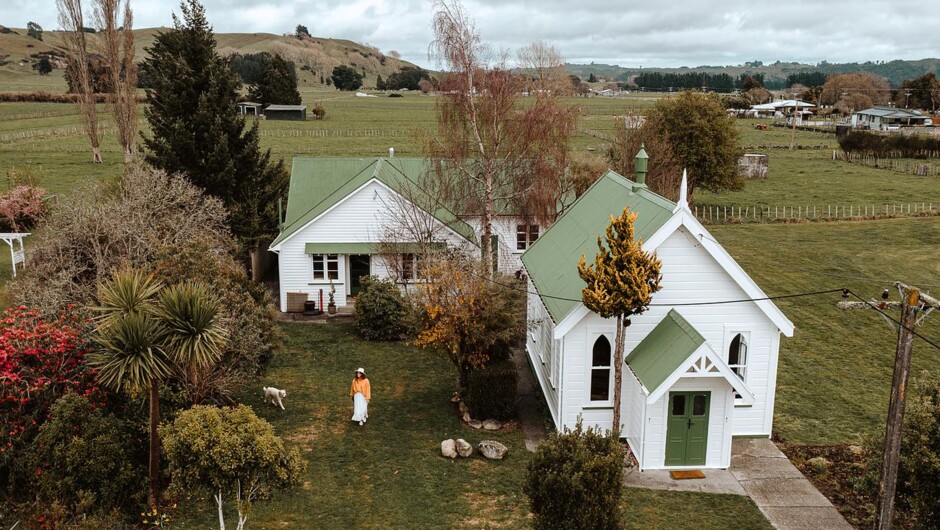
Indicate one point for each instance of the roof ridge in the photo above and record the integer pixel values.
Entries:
(340, 187)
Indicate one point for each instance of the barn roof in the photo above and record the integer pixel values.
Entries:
(317, 184)
(285, 107)
(888, 112)
(551, 260)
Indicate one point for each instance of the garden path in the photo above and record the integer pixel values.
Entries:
(531, 420)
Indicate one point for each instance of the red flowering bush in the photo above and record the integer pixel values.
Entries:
(22, 209)
(40, 360)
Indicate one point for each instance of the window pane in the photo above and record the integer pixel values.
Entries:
(332, 267)
(520, 237)
(407, 266)
(317, 266)
(734, 350)
(533, 233)
(601, 356)
(600, 384)
(698, 405)
(678, 405)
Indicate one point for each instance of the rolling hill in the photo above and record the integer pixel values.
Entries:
(314, 56)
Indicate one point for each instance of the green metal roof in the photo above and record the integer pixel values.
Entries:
(316, 184)
(669, 345)
(552, 261)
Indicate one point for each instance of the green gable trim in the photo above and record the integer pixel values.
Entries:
(552, 261)
(318, 184)
(664, 350)
(367, 248)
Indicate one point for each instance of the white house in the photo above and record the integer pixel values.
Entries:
(350, 217)
(889, 118)
(697, 373)
(783, 108)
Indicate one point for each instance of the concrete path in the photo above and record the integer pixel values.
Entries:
(527, 402)
(783, 494)
(761, 471)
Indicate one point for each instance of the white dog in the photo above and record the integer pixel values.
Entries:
(275, 396)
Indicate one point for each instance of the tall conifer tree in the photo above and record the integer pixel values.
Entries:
(277, 85)
(197, 131)
(620, 283)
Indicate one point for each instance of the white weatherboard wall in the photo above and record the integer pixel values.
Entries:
(362, 217)
(504, 227)
(690, 274)
(546, 359)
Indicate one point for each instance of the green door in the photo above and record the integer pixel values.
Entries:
(359, 265)
(687, 428)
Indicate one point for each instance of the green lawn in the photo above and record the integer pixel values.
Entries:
(389, 473)
(835, 373)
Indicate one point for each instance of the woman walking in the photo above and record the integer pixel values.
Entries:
(361, 393)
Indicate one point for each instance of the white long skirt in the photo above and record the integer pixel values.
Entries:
(360, 408)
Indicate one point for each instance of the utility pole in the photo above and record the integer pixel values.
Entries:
(912, 304)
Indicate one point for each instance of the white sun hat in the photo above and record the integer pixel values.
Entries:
(363, 370)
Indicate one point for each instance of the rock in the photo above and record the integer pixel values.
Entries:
(819, 464)
(492, 449)
(491, 425)
(857, 450)
(464, 408)
(464, 448)
(476, 424)
(466, 417)
(455, 398)
(449, 449)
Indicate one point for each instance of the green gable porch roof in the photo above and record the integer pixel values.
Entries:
(552, 261)
(663, 350)
(317, 184)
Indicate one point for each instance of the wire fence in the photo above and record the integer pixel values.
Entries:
(829, 212)
(920, 168)
(334, 133)
(69, 130)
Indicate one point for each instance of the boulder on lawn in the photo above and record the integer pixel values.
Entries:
(466, 417)
(476, 424)
(492, 449)
(464, 448)
(491, 425)
(464, 408)
(449, 449)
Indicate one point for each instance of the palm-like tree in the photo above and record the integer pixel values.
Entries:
(144, 332)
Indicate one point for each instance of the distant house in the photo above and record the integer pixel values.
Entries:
(696, 375)
(247, 108)
(888, 118)
(783, 108)
(285, 112)
(345, 219)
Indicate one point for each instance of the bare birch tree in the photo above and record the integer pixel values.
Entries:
(546, 69)
(119, 54)
(495, 152)
(72, 21)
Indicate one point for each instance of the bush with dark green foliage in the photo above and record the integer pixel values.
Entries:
(382, 312)
(575, 481)
(88, 460)
(277, 84)
(407, 78)
(34, 30)
(918, 488)
(44, 66)
(491, 391)
(346, 78)
(890, 146)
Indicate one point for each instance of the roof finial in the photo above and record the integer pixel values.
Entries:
(684, 191)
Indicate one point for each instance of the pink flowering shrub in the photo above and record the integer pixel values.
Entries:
(22, 208)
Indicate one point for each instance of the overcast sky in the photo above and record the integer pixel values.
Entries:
(660, 33)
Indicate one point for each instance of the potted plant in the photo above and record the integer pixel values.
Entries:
(331, 307)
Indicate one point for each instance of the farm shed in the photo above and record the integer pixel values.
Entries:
(247, 108)
(286, 112)
(753, 165)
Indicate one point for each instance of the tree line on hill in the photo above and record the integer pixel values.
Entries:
(721, 83)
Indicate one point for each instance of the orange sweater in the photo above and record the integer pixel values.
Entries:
(361, 385)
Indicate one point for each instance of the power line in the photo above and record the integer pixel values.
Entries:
(892, 319)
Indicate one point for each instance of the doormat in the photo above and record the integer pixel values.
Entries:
(683, 475)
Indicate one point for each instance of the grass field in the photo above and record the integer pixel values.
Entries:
(389, 472)
(835, 373)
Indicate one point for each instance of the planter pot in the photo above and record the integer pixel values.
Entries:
(331, 309)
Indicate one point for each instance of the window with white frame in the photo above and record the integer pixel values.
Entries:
(737, 355)
(526, 235)
(325, 266)
(413, 267)
(600, 370)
